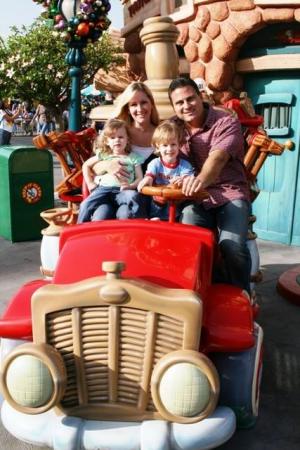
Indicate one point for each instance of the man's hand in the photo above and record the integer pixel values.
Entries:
(191, 184)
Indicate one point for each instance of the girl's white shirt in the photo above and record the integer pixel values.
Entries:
(4, 124)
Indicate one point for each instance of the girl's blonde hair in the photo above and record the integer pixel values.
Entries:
(122, 109)
(165, 132)
(101, 142)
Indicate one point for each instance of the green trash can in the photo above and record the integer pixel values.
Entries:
(26, 189)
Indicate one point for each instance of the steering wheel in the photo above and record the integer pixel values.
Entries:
(171, 194)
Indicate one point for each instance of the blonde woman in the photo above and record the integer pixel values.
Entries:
(136, 107)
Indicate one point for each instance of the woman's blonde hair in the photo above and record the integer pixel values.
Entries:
(165, 132)
(122, 109)
(101, 142)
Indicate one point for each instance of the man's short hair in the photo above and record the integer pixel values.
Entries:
(180, 83)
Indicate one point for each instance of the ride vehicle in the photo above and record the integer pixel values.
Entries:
(160, 358)
(152, 355)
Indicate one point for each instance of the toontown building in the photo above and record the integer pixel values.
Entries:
(212, 34)
(251, 45)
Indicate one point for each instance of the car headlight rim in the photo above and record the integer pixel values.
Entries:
(204, 365)
(52, 359)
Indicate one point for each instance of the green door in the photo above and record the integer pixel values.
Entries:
(276, 96)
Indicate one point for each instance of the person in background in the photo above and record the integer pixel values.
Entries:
(168, 168)
(111, 197)
(108, 98)
(43, 118)
(65, 119)
(26, 118)
(214, 144)
(206, 94)
(7, 118)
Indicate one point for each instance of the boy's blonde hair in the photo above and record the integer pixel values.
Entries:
(101, 142)
(166, 131)
(122, 108)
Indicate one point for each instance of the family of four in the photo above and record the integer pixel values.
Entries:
(200, 148)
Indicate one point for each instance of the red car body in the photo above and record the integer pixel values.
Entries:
(170, 255)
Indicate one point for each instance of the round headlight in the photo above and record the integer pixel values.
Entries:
(185, 386)
(184, 390)
(33, 378)
(29, 381)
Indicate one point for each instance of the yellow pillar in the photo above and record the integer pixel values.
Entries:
(159, 36)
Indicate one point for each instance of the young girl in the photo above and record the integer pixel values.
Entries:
(168, 168)
(111, 197)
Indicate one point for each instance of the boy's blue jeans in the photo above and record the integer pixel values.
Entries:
(231, 221)
(111, 203)
(162, 211)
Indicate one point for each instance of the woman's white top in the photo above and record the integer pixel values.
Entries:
(144, 152)
(5, 124)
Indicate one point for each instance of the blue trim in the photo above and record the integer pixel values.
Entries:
(284, 131)
(289, 49)
(286, 98)
(274, 236)
(295, 240)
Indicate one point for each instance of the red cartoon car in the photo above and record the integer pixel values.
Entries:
(152, 355)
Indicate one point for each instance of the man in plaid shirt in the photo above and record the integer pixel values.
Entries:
(214, 145)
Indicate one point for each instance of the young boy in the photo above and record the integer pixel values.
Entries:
(168, 168)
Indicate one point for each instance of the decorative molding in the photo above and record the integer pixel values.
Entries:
(135, 12)
(268, 62)
(277, 3)
(204, 2)
(149, 9)
(185, 12)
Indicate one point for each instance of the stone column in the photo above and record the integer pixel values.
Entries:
(159, 36)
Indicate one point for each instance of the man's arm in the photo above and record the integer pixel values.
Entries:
(209, 173)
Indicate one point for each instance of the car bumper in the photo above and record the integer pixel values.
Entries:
(61, 432)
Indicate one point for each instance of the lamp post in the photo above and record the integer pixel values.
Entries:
(80, 22)
(75, 58)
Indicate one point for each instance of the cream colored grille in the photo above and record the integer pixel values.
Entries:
(60, 336)
(131, 353)
(110, 352)
(94, 336)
